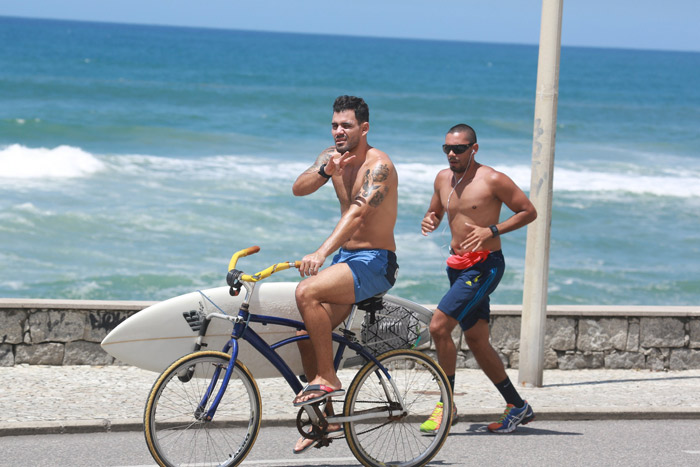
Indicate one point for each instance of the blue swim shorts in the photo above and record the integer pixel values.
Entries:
(468, 298)
(374, 271)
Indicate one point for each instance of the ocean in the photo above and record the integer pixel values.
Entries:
(135, 160)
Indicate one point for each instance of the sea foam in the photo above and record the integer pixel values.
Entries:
(682, 184)
(21, 162)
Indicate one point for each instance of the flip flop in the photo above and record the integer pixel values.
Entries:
(340, 429)
(306, 448)
(326, 392)
(316, 442)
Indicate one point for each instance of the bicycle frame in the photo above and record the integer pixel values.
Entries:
(242, 330)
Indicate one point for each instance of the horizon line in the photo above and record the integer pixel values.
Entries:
(323, 34)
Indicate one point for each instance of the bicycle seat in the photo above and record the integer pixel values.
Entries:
(371, 305)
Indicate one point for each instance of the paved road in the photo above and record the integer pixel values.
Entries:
(638, 443)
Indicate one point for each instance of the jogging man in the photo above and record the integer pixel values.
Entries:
(366, 185)
(472, 195)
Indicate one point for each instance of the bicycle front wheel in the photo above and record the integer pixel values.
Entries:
(176, 432)
(390, 435)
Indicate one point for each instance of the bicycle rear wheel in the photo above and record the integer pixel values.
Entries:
(175, 432)
(396, 439)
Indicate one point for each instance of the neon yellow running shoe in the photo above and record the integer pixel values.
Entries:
(432, 424)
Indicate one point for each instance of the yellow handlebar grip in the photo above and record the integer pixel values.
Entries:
(265, 273)
(251, 251)
(246, 252)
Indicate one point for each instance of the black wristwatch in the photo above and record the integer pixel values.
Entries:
(322, 172)
(494, 231)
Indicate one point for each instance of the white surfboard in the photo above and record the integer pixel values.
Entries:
(158, 335)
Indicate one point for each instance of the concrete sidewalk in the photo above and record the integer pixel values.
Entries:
(73, 399)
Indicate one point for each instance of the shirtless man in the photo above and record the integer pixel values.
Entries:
(366, 184)
(472, 195)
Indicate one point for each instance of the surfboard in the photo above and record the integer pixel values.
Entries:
(158, 335)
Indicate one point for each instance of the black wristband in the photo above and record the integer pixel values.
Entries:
(323, 173)
(494, 231)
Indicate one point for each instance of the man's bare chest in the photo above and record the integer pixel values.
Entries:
(470, 200)
(349, 186)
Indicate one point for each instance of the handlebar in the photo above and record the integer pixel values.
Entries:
(234, 276)
(267, 272)
(245, 252)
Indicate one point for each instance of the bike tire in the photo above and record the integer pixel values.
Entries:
(174, 434)
(397, 441)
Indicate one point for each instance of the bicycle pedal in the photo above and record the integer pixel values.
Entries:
(323, 442)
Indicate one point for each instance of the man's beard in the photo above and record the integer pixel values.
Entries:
(461, 169)
(346, 146)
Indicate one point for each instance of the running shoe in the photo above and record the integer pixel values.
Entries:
(512, 417)
(432, 425)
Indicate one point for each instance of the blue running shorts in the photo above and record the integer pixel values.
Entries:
(373, 271)
(468, 298)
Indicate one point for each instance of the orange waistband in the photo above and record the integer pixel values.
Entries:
(467, 260)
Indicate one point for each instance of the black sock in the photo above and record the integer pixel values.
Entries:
(509, 393)
(451, 379)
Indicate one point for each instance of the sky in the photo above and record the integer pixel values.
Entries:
(637, 24)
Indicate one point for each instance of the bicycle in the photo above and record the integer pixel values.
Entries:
(205, 409)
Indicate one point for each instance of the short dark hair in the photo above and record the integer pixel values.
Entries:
(356, 104)
(464, 128)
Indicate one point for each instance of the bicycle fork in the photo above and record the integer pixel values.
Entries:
(201, 412)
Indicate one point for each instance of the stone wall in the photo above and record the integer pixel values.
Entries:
(69, 332)
(59, 332)
(614, 337)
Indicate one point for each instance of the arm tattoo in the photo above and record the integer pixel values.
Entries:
(372, 188)
(323, 158)
(381, 173)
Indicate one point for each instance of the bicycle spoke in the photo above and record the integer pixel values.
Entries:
(417, 383)
(176, 435)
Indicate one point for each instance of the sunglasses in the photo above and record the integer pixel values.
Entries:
(456, 148)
